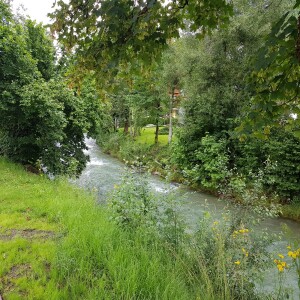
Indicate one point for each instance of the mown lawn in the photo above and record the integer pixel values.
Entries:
(148, 134)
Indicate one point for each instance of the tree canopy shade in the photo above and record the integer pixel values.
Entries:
(109, 32)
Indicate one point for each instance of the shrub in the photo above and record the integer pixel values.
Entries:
(50, 128)
(282, 151)
(134, 207)
(222, 259)
(211, 167)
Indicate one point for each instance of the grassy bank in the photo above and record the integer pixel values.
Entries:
(148, 134)
(55, 243)
(157, 158)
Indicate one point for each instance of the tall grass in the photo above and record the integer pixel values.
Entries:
(90, 256)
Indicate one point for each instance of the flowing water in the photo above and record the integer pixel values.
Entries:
(104, 171)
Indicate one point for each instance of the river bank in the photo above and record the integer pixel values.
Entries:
(156, 160)
(105, 175)
(57, 243)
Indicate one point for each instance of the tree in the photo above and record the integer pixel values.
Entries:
(108, 33)
(41, 48)
(213, 77)
(275, 79)
(52, 129)
(17, 69)
(41, 121)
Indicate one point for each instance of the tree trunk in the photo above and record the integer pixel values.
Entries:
(157, 123)
(298, 41)
(131, 123)
(115, 124)
(126, 126)
(170, 116)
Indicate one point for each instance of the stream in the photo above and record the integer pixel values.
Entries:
(104, 171)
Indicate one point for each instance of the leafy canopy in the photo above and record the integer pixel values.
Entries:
(275, 79)
(41, 120)
(107, 33)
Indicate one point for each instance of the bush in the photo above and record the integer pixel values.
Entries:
(111, 143)
(211, 164)
(282, 151)
(134, 207)
(49, 130)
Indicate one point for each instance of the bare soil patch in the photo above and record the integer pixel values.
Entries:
(27, 234)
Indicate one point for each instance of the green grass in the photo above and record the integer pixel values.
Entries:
(147, 137)
(291, 211)
(56, 243)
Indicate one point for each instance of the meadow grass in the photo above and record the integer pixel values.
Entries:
(57, 243)
(147, 137)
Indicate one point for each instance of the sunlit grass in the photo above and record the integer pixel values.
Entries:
(148, 137)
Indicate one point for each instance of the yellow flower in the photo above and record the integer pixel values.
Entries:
(294, 254)
(281, 265)
(289, 247)
(281, 256)
(237, 262)
(245, 252)
(243, 230)
(280, 268)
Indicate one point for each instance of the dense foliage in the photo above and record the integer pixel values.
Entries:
(42, 123)
(275, 78)
(215, 70)
(106, 34)
(215, 77)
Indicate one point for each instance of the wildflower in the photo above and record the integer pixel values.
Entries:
(289, 247)
(280, 268)
(294, 254)
(240, 231)
(244, 230)
(237, 262)
(281, 256)
(281, 265)
(245, 252)
(284, 264)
